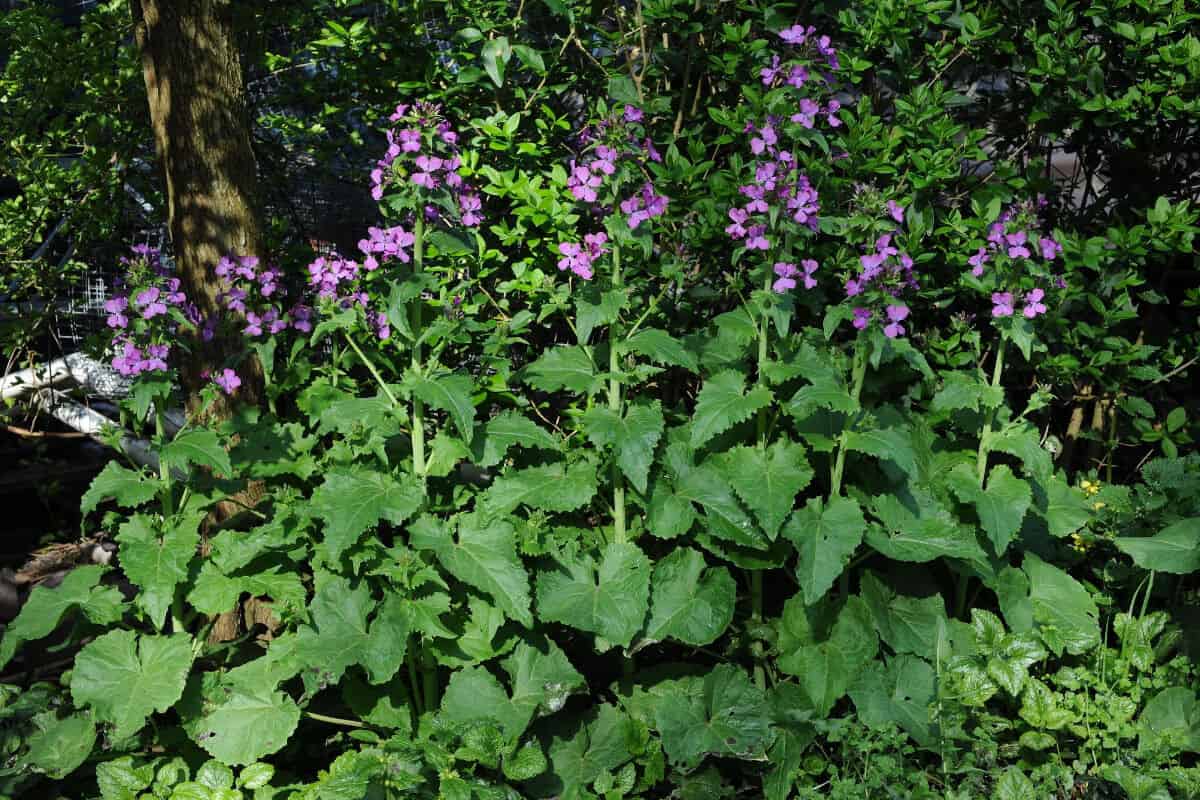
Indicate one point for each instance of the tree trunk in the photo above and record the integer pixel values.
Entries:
(202, 135)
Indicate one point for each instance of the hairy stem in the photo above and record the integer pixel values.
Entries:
(985, 438)
(372, 369)
(415, 313)
(614, 403)
(858, 375)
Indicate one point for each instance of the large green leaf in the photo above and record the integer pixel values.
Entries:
(908, 624)
(767, 480)
(452, 394)
(480, 553)
(241, 725)
(724, 716)
(691, 602)
(513, 429)
(157, 561)
(898, 692)
(125, 677)
(554, 487)
(962, 390)
(1172, 720)
(542, 678)
(594, 308)
(887, 444)
(563, 367)
(916, 528)
(352, 499)
(46, 605)
(339, 635)
(1064, 506)
(1001, 507)
(825, 537)
(581, 748)
(661, 348)
(724, 402)
(632, 438)
(474, 695)
(1174, 549)
(826, 668)
(59, 746)
(1066, 616)
(199, 446)
(609, 598)
(128, 488)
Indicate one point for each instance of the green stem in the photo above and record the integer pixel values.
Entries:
(985, 439)
(372, 369)
(164, 472)
(429, 672)
(764, 332)
(414, 681)
(857, 377)
(614, 403)
(756, 615)
(416, 314)
(349, 723)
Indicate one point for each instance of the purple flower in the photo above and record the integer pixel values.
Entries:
(645, 205)
(977, 261)
(228, 380)
(583, 184)
(766, 139)
(1050, 248)
(1033, 304)
(787, 277)
(253, 324)
(756, 238)
(301, 317)
(797, 77)
(1002, 304)
(737, 229)
(150, 304)
(427, 166)
(652, 153)
(807, 116)
(895, 315)
(470, 204)
(830, 110)
(770, 73)
(1016, 245)
(862, 317)
(410, 140)
(632, 114)
(896, 211)
(796, 34)
(575, 259)
(115, 307)
(810, 266)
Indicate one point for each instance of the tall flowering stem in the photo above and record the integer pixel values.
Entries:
(857, 377)
(415, 313)
(614, 403)
(985, 438)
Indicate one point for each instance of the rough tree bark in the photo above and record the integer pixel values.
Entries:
(201, 124)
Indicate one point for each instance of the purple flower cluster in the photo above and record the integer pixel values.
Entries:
(778, 183)
(1008, 259)
(645, 205)
(578, 258)
(883, 276)
(141, 318)
(257, 294)
(422, 159)
(800, 36)
(788, 273)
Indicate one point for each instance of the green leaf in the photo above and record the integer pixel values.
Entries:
(1170, 720)
(241, 724)
(474, 696)
(1001, 507)
(1014, 785)
(825, 538)
(886, 444)
(563, 367)
(119, 780)
(352, 499)
(661, 348)
(609, 599)
(1066, 509)
(1065, 613)
(200, 446)
(496, 54)
(722, 403)
(573, 487)
(826, 390)
(452, 394)
(45, 607)
(157, 561)
(480, 553)
(632, 439)
(60, 746)
(768, 480)
(725, 716)
(926, 535)
(899, 693)
(339, 635)
(908, 624)
(542, 679)
(691, 603)
(125, 677)
(348, 414)
(513, 429)
(1174, 549)
(594, 308)
(582, 747)
(128, 488)
(961, 390)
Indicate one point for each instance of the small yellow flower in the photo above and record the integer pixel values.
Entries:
(1079, 543)
(1098, 505)
(1091, 487)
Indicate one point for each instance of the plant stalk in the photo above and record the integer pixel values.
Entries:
(614, 403)
(415, 315)
(857, 377)
(985, 438)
